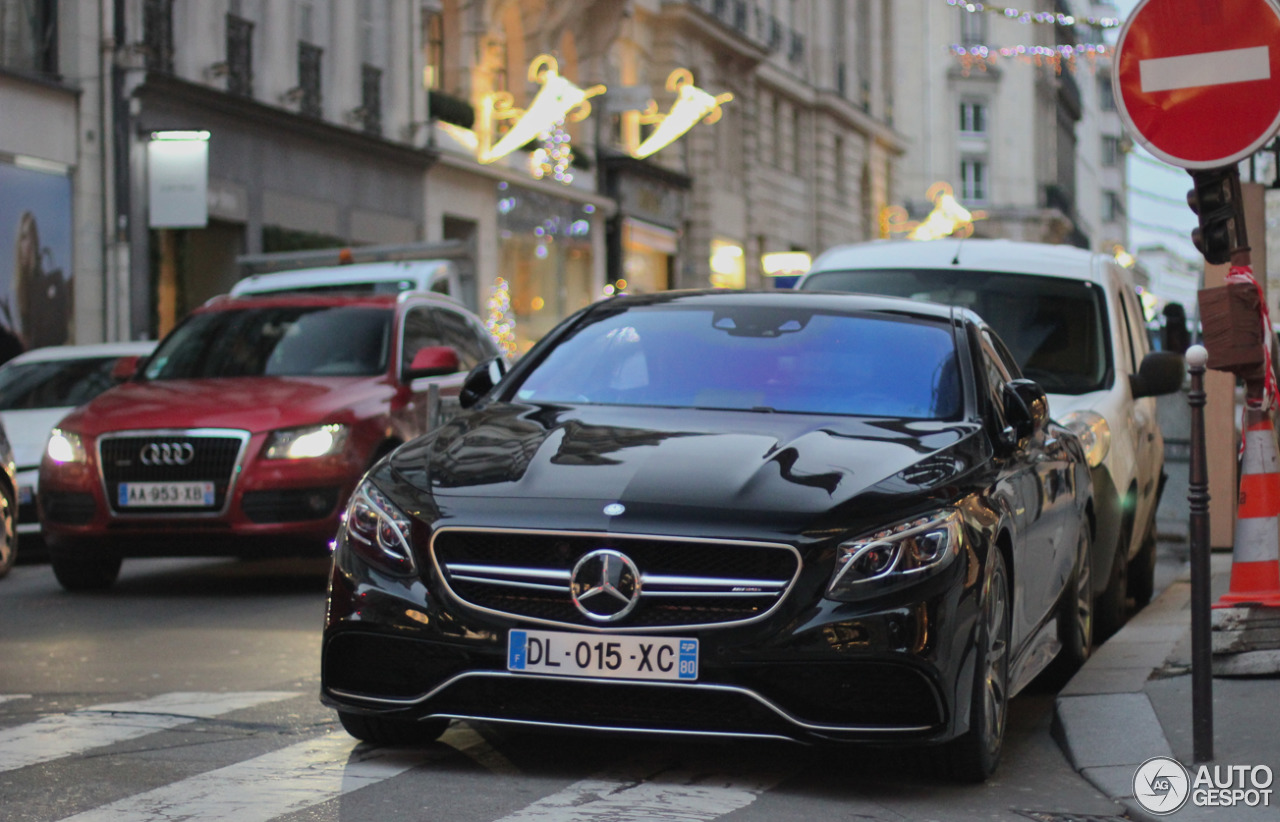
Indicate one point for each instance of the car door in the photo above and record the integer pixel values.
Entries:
(1040, 497)
(1148, 443)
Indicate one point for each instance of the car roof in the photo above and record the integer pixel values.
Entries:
(837, 300)
(325, 276)
(86, 351)
(323, 299)
(974, 254)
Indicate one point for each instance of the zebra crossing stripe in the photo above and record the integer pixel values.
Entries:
(53, 737)
(665, 796)
(286, 781)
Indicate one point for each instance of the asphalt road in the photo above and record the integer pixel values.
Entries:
(189, 691)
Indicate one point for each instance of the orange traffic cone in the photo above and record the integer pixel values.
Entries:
(1255, 560)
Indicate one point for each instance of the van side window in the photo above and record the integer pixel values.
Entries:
(456, 331)
(420, 331)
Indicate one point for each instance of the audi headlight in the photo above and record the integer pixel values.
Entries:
(901, 554)
(64, 446)
(378, 530)
(306, 443)
(1094, 434)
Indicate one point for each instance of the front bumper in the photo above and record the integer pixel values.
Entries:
(814, 671)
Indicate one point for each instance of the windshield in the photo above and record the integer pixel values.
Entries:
(278, 341)
(54, 383)
(754, 358)
(1052, 326)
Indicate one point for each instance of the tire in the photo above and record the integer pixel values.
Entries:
(84, 572)
(1075, 618)
(381, 731)
(1142, 571)
(974, 756)
(1111, 608)
(8, 532)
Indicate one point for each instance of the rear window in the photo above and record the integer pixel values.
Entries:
(754, 359)
(1054, 327)
(279, 341)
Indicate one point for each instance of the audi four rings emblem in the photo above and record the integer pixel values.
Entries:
(605, 585)
(167, 453)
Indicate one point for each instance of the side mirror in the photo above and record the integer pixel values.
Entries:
(481, 381)
(432, 361)
(1026, 407)
(126, 367)
(1161, 372)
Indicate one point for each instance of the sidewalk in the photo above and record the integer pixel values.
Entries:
(1132, 701)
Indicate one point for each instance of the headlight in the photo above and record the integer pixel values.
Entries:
(64, 446)
(902, 554)
(378, 530)
(305, 443)
(1094, 434)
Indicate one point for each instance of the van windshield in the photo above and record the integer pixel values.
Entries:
(1053, 326)
(280, 341)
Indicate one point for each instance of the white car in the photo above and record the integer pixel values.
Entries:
(1072, 321)
(37, 389)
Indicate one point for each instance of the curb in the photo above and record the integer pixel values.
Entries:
(1103, 718)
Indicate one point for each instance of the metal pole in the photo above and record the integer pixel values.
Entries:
(1201, 602)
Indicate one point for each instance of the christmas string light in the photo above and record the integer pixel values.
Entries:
(1038, 17)
(500, 322)
(1057, 57)
(555, 156)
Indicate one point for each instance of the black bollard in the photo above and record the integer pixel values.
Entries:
(1201, 601)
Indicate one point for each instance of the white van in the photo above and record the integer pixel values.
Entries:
(1072, 321)
(438, 276)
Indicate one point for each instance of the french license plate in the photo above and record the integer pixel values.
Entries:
(165, 494)
(602, 655)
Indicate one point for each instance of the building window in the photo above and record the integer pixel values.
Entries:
(311, 103)
(973, 29)
(973, 117)
(973, 179)
(1112, 206)
(29, 36)
(371, 99)
(1106, 94)
(797, 139)
(239, 56)
(840, 185)
(157, 35)
(1110, 150)
(433, 49)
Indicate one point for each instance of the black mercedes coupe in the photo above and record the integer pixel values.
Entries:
(810, 516)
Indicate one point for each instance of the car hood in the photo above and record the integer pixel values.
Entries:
(28, 430)
(708, 464)
(248, 403)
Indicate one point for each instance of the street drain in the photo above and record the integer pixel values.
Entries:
(1058, 816)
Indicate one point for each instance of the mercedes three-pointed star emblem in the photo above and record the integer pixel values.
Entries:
(605, 585)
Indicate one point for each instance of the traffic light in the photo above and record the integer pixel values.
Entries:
(1215, 200)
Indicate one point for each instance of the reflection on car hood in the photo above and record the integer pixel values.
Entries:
(247, 403)
(754, 464)
(28, 430)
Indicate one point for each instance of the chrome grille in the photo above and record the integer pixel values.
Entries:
(683, 582)
(214, 456)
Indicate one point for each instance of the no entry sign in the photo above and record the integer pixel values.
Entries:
(1197, 82)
